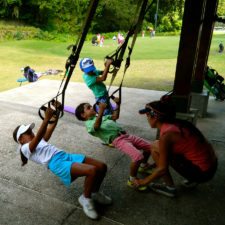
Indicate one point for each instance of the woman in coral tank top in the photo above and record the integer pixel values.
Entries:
(181, 145)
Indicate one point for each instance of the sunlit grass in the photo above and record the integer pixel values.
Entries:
(153, 62)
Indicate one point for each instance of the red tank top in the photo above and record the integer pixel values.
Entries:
(190, 147)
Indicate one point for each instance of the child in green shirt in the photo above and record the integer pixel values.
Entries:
(110, 132)
(94, 80)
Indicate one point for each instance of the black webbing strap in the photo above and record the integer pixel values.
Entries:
(117, 56)
(72, 59)
(134, 30)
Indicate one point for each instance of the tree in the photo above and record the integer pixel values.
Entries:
(10, 8)
(114, 15)
(221, 8)
(169, 16)
(111, 15)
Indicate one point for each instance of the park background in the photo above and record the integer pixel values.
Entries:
(38, 34)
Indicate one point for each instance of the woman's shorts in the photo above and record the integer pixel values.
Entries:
(61, 163)
(190, 171)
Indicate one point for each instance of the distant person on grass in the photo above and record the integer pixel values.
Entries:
(102, 41)
(30, 74)
(94, 80)
(181, 145)
(221, 47)
(94, 41)
(67, 166)
(110, 132)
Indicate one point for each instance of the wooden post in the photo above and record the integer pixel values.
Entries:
(204, 45)
(193, 13)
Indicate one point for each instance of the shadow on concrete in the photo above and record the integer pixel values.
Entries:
(32, 195)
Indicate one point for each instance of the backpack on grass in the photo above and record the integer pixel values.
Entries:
(30, 74)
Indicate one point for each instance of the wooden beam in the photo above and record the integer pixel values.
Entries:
(204, 45)
(192, 21)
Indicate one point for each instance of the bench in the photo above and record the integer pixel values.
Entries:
(21, 80)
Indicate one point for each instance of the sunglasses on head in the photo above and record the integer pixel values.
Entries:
(151, 113)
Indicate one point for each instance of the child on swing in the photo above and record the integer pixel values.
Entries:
(67, 166)
(94, 80)
(110, 132)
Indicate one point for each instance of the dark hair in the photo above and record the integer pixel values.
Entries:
(15, 133)
(23, 158)
(26, 69)
(79, 110)
(191, 127)
(166, 111)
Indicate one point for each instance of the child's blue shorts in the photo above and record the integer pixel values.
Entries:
(60, 164)
(104, 99)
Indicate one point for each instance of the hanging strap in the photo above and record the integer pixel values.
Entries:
(72, 60)
(135, 29)
(117, 55)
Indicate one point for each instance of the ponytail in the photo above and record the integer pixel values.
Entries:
(23, 159)
(191, 127)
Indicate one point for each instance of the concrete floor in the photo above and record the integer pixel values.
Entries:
(32, 195)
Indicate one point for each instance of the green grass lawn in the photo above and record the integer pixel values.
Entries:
(153, 61)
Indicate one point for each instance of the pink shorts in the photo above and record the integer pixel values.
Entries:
(132, 145)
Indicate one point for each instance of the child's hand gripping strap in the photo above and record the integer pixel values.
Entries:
(58, 110)
(115, 65)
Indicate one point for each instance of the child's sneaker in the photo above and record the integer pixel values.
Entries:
(189, 184)
(148, 168)
(109, 145)
(141, 188)
(88, 207)
(101, 198)
(163, 189)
